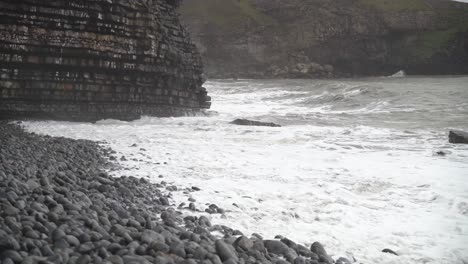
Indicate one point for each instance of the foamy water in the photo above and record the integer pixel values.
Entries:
(354, 166)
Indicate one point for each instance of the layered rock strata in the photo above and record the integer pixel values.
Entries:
(94, 59)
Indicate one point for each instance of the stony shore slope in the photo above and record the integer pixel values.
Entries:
(58, 205)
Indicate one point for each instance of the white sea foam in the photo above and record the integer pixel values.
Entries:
(399, 74)
(356, 188)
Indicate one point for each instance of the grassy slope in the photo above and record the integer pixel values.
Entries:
(426, 43)
(226, 14)
(235, 15)
(430, 42)
(396, 5)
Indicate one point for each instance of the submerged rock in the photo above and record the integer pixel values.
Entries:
(386, 250)
(246, 122)
(458, 137)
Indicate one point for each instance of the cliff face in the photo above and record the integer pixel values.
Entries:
(328, 38)
(93, 59)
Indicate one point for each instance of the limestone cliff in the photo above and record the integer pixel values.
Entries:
(329, 38)
(93, 59)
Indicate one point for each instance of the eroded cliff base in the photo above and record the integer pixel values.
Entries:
(88, 60)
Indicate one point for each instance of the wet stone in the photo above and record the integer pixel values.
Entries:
(276, 247)
(225, 251)
(343, 261)
(244, 243)
(8, 242)
(72, 240)
(83, 259)
(12, 255)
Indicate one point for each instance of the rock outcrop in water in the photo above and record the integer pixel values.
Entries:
(458, 137)
(88, 60)
(246, 122)
(329, 38)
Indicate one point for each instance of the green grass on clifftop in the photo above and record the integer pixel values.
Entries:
(225, 13)
(429, 43)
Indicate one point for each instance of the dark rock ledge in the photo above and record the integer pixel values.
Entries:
(57, 205)
(246, 122)
(458, 137)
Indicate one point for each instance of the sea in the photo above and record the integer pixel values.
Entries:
(359, 165)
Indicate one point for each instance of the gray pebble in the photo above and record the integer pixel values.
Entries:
(12, 255)
(83, 259)
(276, 247)
(225, 251)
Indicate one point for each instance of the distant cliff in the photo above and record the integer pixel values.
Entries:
(328, 38)
(93, 59)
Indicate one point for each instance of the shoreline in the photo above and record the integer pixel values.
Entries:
(60, 206)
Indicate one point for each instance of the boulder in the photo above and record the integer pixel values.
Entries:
(458, 137)
(246, 122)
(389, 251)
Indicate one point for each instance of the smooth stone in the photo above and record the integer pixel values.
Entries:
(8, 242)
(61, 243)
(200, 253)
(129, 259)
(83, 259)
(58, 233)
(86, 247)
(8, 261)
(149, 236)
(188, 261)
(114, 259)
(259, 246)
(204, 221)
(192, 207)
(32, 234)
(299, 260)
(84, 238)
(325, 259)
(343, 261)
(243, 243)
(230, 261)
(178, 249)
(12, 255)
(32, 184)
(318, 249)
(159, 247)
(164, 201)
(163, 260)
(47, 251)
(276, 247)
(225, 251)
(72, 240)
